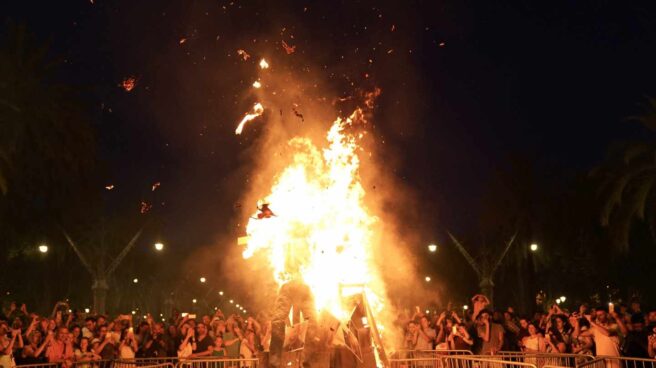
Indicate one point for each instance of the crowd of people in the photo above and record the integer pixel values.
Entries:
(70, 338)
(74, 338)
(612, 330)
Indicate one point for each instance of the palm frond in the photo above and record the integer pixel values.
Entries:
(648, 116)
(642, 195)
(614, 187)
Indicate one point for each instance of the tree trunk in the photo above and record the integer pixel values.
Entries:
(99, 288)
(487, 288)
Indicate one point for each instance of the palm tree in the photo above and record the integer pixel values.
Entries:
(46, 144)
(628, 189)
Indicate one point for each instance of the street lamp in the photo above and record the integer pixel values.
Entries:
(232, 301)
(159, 247)
(432, 248)
(533, 247)
(194, 301)
(562, 299)
(87, 310)
(427, 278)
(465, 307)
(43, 248)
(135, 280)
(221, 292)
(202, 280)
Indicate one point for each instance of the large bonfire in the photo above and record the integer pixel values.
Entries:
(320, 222)
(314, 225)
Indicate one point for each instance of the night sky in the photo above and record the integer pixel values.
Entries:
(466, 85)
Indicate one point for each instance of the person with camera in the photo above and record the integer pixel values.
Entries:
(555, 341)
(459, 338)
(411, 336)
(159, 344)
(89, 329)
(108, 345)
(204, 343)
(232, 337)
(33, 352)
(489, 332)
(426, 336)
(7, 344)
(84, 354)
(605, 333)
(127, 349)
(186, 347)
(60, 348)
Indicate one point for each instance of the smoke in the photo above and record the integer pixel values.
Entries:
(301, 100)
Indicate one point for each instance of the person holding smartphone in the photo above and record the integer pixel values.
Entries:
(459, 339)
(605, 334)
(426, 336)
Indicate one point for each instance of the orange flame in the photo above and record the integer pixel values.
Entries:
(322, 230)
(258, 109)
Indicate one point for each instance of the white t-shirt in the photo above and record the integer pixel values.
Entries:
(246, 353)
(126, 352)
(606, 345)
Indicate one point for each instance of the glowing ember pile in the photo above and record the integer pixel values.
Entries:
(321, 231)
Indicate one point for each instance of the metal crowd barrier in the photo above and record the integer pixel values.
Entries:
(39, 365)
(102, 363)
(455, 361)
(409, 354)
(480, 361)
(145, 362)
(421, 358)
(622, 362)
(218, 363)
(129, 363)
(545, 360)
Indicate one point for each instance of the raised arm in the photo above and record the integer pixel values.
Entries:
(43, 346)
(10, 347)
(486, 333)
(620, 323)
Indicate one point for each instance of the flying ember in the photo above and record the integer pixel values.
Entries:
(264, 64)
(128, 83)
(243, 54)
(258, 109)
